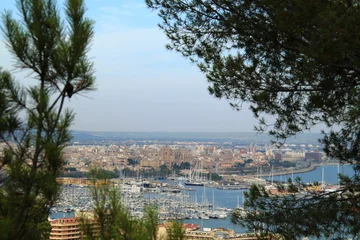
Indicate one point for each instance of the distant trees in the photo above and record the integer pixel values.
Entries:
(249, 160)
(34, 123)
(73, 174)
(132, 162)
(239, 165)
(285, 164)
(177, 168)
(184, 165)
(297, 61)
(214, 177)
(104, 174)
(164, 170)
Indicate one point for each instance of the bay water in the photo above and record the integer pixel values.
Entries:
(231, 198)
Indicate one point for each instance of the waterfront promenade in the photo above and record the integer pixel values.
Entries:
(282, 173)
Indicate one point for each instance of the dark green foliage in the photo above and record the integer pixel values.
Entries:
(104, 174)
(176, 168)
(75, 174)
(294, 60)
(34, 124)
(164, 170)
(285, 164)
(239, 165)
(184, 165)
(174, 230)
(113, 217)
(151, 222)
(214, 177)
(132, 162)
(127, 172)
(249, 160)
(334, 215)
(146, 173)
(299, 62)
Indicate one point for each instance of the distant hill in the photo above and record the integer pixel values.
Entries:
(89, 136)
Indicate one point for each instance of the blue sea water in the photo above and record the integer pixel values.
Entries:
(330, 174)
(229, 198)
(217, 223)
(233, 198)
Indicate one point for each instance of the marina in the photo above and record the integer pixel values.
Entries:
(207, 206)
(197, 202)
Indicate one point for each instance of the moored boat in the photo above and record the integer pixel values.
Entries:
(194, 184)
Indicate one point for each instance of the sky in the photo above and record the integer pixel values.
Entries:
(141, 86)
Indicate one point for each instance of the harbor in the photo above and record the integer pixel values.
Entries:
(207, 206)
(172, 202)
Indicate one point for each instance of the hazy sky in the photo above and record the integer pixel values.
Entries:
(141, 86)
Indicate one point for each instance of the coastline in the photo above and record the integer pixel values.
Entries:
(304, 170)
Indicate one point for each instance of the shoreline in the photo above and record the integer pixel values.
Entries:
(304, 170)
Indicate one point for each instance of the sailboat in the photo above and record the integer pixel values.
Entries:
(194, 178)
(240, 210)
(193, 183)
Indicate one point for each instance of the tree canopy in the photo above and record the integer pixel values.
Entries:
(297, 61)
(114, 218)
(34, 123)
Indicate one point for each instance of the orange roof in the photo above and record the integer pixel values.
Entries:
(190, 225)
(64, 220)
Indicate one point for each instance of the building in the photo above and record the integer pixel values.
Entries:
(315, 156)
(162, 229)
(154, 163)
(166, 156)
(65, 229)
(170, 156)
(70, 228)
(193, 232)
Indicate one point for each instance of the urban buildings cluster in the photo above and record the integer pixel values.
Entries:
(210, 156)
(71, 229)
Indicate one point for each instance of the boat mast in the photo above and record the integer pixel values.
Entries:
(213, 204)
(322, 180)
(190, 174)
(338, 175)
(242, 197)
